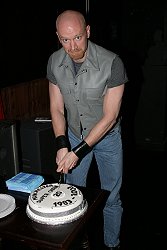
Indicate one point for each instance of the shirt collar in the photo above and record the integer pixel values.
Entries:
(91, 60)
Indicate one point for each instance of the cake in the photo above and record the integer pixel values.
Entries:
(55, 204)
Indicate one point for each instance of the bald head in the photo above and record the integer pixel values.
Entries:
(70, 17)
(73, 34)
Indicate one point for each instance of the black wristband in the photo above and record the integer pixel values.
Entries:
(82, 149)
(62, 142)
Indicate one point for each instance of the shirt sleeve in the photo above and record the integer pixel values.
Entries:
(50, 76)
(118, 73)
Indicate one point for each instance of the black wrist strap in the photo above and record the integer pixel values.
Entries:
(62, 142)
(82, 149)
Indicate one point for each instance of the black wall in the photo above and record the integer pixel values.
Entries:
(125, 26)
(28, 31)
(28, 37)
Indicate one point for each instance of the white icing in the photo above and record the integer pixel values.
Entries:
(52, 204)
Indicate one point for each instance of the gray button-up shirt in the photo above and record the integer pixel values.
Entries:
(84, 92)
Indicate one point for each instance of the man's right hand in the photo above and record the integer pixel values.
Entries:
(60, 155)
(68, 162)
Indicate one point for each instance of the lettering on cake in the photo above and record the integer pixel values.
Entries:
(52, 189)
(57, 194)
(42, 198)
(43, 187)
(34, 195)
(73, 190)
(62, 203)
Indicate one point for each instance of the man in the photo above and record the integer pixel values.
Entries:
(87, 81)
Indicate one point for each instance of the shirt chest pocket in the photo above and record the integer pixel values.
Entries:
(95, 93)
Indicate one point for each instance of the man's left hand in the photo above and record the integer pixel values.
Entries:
(68, 162)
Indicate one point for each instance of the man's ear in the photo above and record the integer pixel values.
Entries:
(88, 31)
(58, 36)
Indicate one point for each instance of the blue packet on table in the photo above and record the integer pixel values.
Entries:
(24, 182)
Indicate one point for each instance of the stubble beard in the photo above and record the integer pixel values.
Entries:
(76, 54)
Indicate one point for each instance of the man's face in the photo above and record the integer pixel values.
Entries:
(73, 38)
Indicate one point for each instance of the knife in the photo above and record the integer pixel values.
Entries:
(60, 178)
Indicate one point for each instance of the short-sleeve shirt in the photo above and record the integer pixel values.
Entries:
(83, 91)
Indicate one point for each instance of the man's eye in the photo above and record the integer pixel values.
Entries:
(78, 38)
(65, 40)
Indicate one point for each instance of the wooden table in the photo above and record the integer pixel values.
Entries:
(19, 227)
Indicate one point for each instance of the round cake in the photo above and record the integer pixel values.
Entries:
(56, 204)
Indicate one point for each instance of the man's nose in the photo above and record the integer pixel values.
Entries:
(73, 45)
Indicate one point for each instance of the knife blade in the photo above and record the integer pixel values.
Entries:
(60, 179)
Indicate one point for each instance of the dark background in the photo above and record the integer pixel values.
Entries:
(28, 31)
(126, 27)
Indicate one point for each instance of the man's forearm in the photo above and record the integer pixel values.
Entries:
(113, 98)
(59, 127)
(59, 124)
(98, 132)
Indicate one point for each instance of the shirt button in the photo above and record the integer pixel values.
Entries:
(75, 83)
